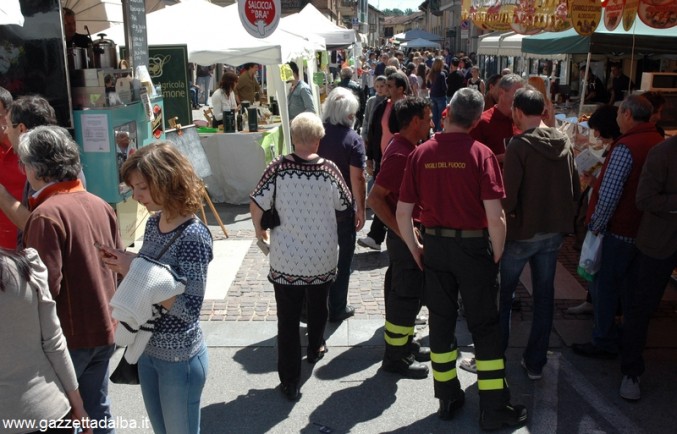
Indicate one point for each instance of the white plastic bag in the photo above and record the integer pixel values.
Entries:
(591, 256)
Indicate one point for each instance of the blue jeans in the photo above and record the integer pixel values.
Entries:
(542, 258)
(614, 281)
(171, 392)
(439, 103)
(91, 369)
(338, 293)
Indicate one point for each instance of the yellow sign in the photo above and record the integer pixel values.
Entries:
(629, 13)
(286, 73)
(585, 15)
(465, 9)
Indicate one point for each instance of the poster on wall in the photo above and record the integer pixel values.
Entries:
(168, 67)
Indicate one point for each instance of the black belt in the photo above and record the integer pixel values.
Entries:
(456, 233)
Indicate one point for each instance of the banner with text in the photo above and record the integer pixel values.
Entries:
(168, 67)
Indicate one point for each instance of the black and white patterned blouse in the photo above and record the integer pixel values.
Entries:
(304, 248)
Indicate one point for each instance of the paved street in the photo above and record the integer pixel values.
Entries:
(346, 391)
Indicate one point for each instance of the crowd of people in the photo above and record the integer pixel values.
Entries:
(462, 212)
(61, 258)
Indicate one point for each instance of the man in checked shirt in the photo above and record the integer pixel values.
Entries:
(613, 212)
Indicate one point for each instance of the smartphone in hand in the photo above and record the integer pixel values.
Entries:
(265, 247)
(106, 254)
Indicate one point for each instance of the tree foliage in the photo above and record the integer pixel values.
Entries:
(397, 12)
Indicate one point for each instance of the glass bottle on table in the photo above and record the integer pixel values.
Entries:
(245, 120)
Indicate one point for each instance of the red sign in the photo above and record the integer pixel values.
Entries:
(260, 17)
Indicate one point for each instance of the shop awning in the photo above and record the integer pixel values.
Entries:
(502, 44)
(644, 40)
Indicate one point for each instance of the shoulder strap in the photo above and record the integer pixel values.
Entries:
(179, 231)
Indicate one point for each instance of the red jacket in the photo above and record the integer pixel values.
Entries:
(14, 180)
(639, 141)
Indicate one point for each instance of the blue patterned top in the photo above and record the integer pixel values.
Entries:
(177, 335)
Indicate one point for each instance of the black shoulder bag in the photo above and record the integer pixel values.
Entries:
(128, 373)
(271, 218)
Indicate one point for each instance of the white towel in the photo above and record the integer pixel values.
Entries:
(147, 283)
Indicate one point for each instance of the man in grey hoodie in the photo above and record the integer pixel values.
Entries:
(542, 188)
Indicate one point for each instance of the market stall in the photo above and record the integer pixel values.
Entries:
(241, 158)
(504, 50)
(222, 39)
(640, 41)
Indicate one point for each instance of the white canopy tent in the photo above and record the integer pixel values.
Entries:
(419, 43)
(312, 21)
(213, 44)
(10, 13)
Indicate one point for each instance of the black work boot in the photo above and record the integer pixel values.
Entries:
(449, 406)
(509, 415)
(405, 366)
(421, 353)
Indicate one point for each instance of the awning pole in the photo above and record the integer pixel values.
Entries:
(584, 84)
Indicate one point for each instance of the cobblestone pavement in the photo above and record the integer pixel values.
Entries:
(251, 296)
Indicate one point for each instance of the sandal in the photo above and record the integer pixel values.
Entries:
(314, 357)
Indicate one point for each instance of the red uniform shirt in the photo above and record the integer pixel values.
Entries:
(495, 130)
(449, 176)
(392, 171)
(386, 134)
(14, 180)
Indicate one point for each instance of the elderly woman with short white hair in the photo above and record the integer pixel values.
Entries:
(306, 190)
(345, 147)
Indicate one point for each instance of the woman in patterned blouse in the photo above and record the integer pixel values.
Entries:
(173, 367)
(306, 191)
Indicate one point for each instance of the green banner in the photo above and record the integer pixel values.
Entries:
(168, 67)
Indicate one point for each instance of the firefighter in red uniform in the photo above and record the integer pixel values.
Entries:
(457, 183)
(404, 280)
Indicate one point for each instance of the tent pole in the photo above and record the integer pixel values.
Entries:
(584, 84)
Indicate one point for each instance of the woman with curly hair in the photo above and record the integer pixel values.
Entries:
(173, 366)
